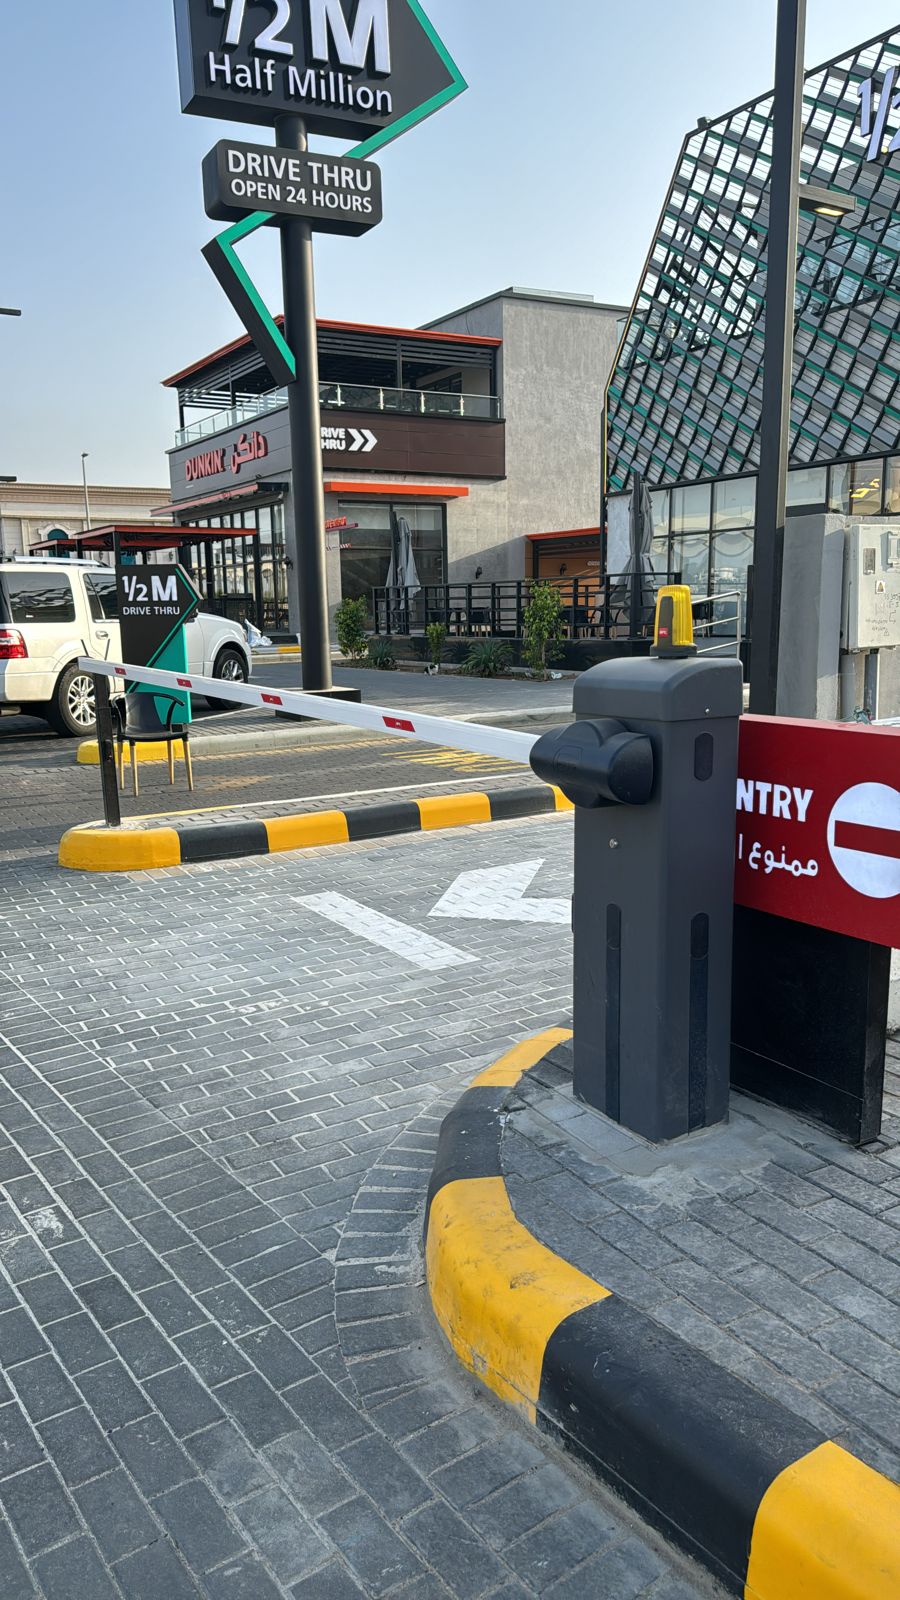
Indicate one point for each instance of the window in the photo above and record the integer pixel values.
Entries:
(690, 509)
(38, 596)
(856, 488)
(690, 558)
(734, 504)
(102, 596)
(373, 538)
(892, 487)
(807, 489)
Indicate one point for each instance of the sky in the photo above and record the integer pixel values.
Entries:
(548, 172)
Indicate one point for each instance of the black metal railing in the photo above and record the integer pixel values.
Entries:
(592, 608)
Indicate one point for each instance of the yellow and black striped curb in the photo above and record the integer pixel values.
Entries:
(771, 1506)
(92, 847)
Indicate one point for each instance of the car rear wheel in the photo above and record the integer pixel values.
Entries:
(231, 667)
(72, 712)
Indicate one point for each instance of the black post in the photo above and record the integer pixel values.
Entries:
(307, 494)
(109, 777)
(781, 278)
(635, 617)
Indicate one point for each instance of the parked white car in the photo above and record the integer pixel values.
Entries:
(52, 611)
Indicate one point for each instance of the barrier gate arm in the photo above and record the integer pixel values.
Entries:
(471, 736)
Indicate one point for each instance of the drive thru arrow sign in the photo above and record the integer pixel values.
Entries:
(362, 439)
(496, 895)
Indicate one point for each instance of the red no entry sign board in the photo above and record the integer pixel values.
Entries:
(818, 825)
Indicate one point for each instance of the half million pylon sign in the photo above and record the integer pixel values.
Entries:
(358, 69)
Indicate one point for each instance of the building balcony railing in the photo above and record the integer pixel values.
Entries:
(352, 397)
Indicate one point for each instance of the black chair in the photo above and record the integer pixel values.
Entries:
(139, 722)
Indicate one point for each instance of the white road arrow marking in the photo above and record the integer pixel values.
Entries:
(495, 894)
(377, 929)
(371, 440)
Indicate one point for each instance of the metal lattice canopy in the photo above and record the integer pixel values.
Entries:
(684, 398)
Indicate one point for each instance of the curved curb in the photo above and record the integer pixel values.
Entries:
(771, 1506)
(91, 847)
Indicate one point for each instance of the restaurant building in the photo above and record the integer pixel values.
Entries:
(481, 430)
(33, 514)
(684, 398)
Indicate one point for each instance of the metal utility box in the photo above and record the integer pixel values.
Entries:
(653, 901)
(871, 603)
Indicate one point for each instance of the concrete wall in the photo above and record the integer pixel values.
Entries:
(29, 510)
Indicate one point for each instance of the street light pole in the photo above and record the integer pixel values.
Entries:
(775, 423)
(87, 503)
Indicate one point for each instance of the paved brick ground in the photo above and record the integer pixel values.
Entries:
(218, 1119)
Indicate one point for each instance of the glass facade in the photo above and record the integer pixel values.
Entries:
(370, 539)
(244, 578)
(684, 399)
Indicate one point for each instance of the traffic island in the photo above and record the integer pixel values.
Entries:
(645, 1303)
(93, 847)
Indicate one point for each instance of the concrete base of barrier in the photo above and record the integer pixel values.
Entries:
(766, 1502)
(94, 848)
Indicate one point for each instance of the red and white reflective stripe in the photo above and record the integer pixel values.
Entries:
(503, 743)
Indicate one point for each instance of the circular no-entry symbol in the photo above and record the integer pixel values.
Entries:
(864, 839)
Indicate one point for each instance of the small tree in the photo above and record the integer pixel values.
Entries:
(350, 621)
(543, 623)
(436, 633)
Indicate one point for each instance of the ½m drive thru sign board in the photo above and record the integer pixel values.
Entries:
(352, 70)
(818, 825)
(154, 605)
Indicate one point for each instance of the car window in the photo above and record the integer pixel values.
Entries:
(38, 596)
(102, 596)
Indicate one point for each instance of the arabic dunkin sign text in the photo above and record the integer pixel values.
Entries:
(818, 825)
(209, 463)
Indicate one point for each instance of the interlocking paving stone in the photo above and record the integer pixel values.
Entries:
(233, 1112)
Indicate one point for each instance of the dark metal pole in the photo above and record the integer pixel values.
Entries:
(634, 599)
(781, 279)
(109, 777)
(307, 494)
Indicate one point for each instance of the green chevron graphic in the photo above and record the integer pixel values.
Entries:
(233, 277)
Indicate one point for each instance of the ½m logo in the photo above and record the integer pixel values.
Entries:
(874, 112)
(162, 591)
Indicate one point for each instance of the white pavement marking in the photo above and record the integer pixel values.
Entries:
(398, 937)
(494, 894)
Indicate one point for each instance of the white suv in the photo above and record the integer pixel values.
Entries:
(53, 611)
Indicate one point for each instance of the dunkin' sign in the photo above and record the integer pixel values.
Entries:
(210, 463)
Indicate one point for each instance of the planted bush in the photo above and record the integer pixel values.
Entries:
(543, 628)
(350, 620)
(381, 655)
(487, 659)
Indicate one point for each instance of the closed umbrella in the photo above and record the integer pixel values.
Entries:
(639, 579)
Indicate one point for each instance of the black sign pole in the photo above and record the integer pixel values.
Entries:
(106, 742)
(307, 492)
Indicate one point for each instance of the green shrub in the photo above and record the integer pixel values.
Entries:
(543, 627)
(381, 655)
(487, 659)
(436, 633)
(350, 621)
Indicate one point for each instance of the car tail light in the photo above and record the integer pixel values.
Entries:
(12, 645)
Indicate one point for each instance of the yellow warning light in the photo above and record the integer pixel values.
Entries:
(673, 632)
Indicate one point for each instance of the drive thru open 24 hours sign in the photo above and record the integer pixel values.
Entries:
(818, 825)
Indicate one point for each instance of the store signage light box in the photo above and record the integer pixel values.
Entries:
(351, 70)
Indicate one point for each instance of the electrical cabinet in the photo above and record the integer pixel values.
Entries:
(871, 603)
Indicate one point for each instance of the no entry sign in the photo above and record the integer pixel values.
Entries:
(818, 825)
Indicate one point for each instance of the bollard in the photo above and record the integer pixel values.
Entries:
(654, 885)
(106, 744)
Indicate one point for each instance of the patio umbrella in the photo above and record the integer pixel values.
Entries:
(639, 581)
(406, 561)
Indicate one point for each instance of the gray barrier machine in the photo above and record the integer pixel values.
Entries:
(651, 766)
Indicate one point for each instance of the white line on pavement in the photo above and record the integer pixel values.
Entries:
(377, 929)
